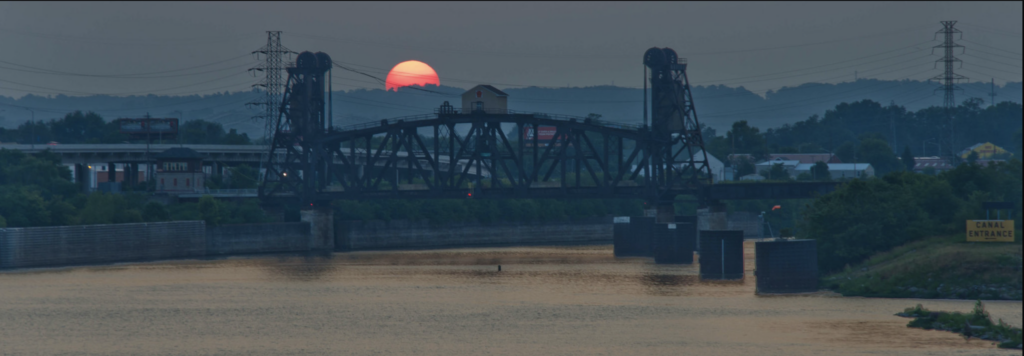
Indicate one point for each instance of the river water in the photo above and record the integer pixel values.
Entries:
(545, 301)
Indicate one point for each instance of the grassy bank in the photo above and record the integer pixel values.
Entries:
(976, 324)
(944, 267)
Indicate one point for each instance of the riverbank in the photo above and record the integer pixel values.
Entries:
(976, 324)
(942, 267)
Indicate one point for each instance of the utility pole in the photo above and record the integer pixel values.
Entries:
(892, 123)
(992, 94)
(272, 84)
(948, 77)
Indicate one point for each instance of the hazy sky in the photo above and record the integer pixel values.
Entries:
(135, 48)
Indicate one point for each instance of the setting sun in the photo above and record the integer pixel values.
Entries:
(411, 73)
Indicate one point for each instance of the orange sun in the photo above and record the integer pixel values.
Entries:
(411, 73)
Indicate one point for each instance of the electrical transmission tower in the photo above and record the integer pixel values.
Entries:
(948, 77)
(992, 94)
(272, 84)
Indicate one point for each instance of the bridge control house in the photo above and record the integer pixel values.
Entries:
(484, 99)
(179, 170)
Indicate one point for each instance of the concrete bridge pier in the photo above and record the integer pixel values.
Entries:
(665, 212)
(710, 218)
(321, 227)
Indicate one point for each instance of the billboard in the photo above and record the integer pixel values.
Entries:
(544, 135)
(990, 230)
(140, 128)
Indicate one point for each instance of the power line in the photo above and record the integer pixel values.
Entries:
(995, 69)
(145, 41)
(595, 56)
(832, 70)
(993, 61)
(801, 102)
(985, 74)
(995, 31)
(124, 93)
(995, 48)
(827, 65)
(129, 75)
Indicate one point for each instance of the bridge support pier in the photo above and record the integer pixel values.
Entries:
(321, 227)
(665, 213)
(711, 218)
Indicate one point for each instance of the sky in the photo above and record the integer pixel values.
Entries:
(175, 48)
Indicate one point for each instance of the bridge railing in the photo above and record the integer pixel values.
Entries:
(421, 117)
(229, 191)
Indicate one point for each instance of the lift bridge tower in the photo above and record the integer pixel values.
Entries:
(679, 159)
(293, 165)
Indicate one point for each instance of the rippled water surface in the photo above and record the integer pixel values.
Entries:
(545, 301)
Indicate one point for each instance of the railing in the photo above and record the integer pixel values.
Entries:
(421, 117)
(229, 191)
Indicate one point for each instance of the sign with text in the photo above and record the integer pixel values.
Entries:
(138, 128)
(544, 135)
(990, 230)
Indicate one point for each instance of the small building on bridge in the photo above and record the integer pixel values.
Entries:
(484, 98)
(179, 170)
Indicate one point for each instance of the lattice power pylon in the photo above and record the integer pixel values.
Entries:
(272, 66)
(948, 77)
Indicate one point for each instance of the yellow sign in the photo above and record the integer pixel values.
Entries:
(990, 230)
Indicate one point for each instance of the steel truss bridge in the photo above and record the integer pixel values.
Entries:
(412, 157)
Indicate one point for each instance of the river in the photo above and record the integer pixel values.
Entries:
(545, 301)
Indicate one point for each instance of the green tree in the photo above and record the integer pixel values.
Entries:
(23, 207)
(747, 139)
(804, 176)
(154, 212)
(847, 152)
(820, 171)
(908, 159)
(972, 158)
(811, 147)
(234, 138)
(1020, 143)
(878, 153)
(210, 210)
(78, 127)
(201, 132)
(243, 177)
(744, 167)
(777, 172)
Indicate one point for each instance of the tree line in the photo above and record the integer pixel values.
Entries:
(36, 190)
(89, 127)
(866, 132)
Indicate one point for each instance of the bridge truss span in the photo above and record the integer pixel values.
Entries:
(484, 155)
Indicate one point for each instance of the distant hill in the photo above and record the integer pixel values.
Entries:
(717, 106)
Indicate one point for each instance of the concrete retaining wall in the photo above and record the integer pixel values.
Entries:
(380, 235)
(258, 238)
(749, 223)
(83, 244)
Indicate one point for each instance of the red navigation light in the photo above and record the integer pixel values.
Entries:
(469, 194)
